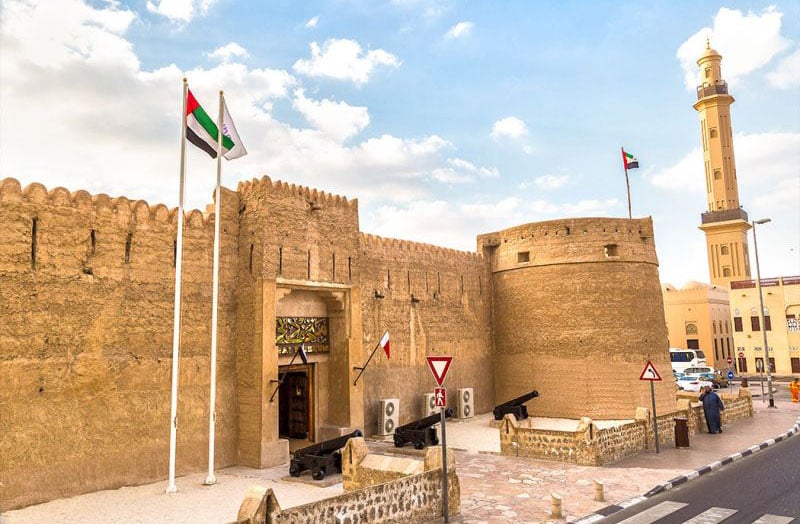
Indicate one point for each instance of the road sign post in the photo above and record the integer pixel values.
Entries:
(650, 374)
(439, 366)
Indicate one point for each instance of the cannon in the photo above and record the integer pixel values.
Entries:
(421, 432)
(321, 458)
(516, 407)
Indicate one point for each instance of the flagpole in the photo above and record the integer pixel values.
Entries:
(176, 323)
(212, 415)
(362, 368)
(627, 181)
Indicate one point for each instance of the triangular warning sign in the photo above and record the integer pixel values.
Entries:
(439, 367)
(649, 372)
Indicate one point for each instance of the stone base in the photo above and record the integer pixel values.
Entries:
(305, 478)
(274, 453)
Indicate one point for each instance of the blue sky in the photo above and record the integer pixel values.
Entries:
(445, 119)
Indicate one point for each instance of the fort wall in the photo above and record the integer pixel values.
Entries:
(449, 314)
(577, 313)
(88, 287)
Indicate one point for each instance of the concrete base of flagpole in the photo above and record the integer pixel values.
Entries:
(171, 488)
(210, 480)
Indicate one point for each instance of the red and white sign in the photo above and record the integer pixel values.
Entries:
(439, 367)
(730, 360)
(649, 373)
(741, 354)
(440, 396)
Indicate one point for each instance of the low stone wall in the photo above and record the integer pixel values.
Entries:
(377, 489)
(590, 446)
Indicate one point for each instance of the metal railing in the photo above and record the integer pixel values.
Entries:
(723, 215)
(719, 88)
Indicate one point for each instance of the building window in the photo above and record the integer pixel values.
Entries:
(795, 364)
(755, 325)
(726, 271)
(767, 323)
(692, 343)
(691, 328)
(737, 324)
(724, 250)
(714, 326)
(523, 256)
(716, 351)
(742, 365)
(611, 250)
(713, 133)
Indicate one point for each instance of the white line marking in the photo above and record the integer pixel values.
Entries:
(773, 519)
(655, 513)
(712, 516)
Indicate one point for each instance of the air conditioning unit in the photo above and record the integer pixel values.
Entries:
(389, 416)
(466, 403)
(429, 405)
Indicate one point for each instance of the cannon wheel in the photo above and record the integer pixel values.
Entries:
(294, 470)
(419, 445)
(318, 474)
(398, 441)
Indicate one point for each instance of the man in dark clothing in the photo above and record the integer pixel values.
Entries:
(712, 405)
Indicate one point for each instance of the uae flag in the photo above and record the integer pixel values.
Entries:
(203, 132)
(630, 160)
(385, 343)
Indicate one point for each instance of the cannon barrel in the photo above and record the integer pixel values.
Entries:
(326, 446)
(427, 421)
(521, 400)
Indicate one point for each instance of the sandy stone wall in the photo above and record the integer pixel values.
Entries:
(451, 317)
(87, 309)
(577, 313)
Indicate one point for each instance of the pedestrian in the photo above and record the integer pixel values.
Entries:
(712, 405)
(794, 389)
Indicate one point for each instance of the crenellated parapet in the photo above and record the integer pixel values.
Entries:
(305, 195)
(36, 194)
(376, 242)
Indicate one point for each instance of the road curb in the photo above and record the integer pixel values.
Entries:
(677, 481)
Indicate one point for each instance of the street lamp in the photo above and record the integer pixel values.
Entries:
(761, 311)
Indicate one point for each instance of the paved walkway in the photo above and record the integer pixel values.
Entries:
(494, 488)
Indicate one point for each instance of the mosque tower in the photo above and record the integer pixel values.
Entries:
(725, 223)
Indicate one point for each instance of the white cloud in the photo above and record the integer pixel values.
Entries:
(746, 42)
(180, 10)
(787, 74)
(509, 127)
(228, 52)
(460, 30)
(548, 182)
(344, 59)
(312, 22)
(338, 119)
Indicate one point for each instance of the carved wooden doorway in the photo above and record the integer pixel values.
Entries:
(296, 402)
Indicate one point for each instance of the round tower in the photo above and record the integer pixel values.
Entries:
(578, 313)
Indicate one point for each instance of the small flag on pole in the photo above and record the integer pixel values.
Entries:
(385, 343)
(202, 131)
(630, 161)
(302, 353)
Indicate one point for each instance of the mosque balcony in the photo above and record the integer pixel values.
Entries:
(720, 87)
(723, 215)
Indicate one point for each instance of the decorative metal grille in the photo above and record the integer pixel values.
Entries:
(290, 332)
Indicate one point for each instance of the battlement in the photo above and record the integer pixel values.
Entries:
(35, 193)
(312, 197)
(396, 244)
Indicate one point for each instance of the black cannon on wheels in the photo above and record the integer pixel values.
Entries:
(321, 458)
(421, 432)
(516, 407)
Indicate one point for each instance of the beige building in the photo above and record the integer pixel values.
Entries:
(698, 318)
(781, 324)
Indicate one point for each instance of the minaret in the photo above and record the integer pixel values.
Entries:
(725, 223)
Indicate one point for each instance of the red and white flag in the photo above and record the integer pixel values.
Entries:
(385, 343)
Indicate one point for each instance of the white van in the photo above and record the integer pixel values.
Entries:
(686, 358)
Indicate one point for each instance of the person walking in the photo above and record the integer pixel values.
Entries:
(794, 389)
(712, 406)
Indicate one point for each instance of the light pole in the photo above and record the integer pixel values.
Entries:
(761, 311)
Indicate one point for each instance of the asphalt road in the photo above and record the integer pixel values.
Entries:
(767, 482)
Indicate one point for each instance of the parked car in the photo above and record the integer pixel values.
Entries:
(692, 383)
(717, 378)
(720, 379)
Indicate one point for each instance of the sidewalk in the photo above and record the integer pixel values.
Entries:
(494, 488)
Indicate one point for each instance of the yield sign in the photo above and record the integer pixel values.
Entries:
(649, 373)
(439, 367)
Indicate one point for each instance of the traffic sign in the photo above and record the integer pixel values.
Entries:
(440, 396)
(730, 375)
(439, 367)
(741, 354)
(730, 360)
(649, 372)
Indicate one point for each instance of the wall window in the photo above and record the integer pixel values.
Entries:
(716, 351)
(737, 324)
(713, 133)
(724, 250)
(692, 343)
(523, 256)
(726, 271)
(742, 365)
(755, 325)
(691, 328)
